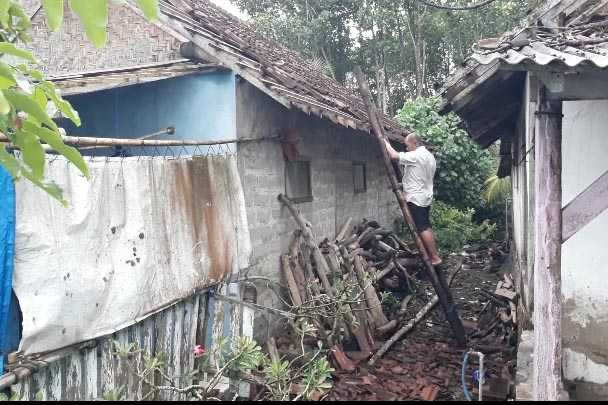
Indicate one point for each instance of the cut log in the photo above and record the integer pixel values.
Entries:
(371, 297)
(385, 247)
(344, 231)
(402, 245)
(294, 291)
(300, 278)
(404, 305)
(343, 362)
(362, 331)
(322, 267)
(389, 327)
(411, 324)
(386, 271)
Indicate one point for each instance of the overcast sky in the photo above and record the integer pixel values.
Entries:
(226, 4)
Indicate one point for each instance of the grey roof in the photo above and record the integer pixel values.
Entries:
(572, 47)
(561, 35)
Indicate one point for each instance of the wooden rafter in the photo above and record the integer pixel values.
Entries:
(585, 207)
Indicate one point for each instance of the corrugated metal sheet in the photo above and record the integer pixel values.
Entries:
(538, 53)
(94, 371)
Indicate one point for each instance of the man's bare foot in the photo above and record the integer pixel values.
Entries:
(437, 262)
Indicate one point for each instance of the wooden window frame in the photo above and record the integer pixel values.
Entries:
(364, 189)
(304, 199)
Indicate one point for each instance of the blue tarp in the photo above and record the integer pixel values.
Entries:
(7, 252)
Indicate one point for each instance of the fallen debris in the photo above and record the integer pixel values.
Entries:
(429, 355)
(412, 323)
(345, 284)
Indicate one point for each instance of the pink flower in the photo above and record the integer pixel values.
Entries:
(199, 351)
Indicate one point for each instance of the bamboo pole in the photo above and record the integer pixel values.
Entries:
(445, 297)
(412, 323)
(110, 142)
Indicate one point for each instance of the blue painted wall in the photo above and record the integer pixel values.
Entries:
(199, 106)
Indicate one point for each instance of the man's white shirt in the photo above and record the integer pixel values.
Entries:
(418, 173)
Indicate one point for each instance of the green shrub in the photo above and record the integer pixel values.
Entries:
(462, 167)
(455, 228)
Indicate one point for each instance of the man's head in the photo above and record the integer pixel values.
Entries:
(411, 141)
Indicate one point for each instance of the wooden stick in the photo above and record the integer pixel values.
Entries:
(374, 304)
(322, 267)
(342, 234)
(412, 323)
(294, 292)
(444, 295)
(109, 142)
(298, 272)
(386, 271)
(361, 332)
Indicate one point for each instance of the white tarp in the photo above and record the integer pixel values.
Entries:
(141, 234)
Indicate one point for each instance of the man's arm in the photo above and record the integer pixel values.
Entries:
(392, 153)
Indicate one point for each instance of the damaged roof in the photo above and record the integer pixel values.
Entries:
(104, 79)
(280, 72)
(487, 92)
(211, 36)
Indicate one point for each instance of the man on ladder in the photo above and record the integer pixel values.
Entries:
(419, 167)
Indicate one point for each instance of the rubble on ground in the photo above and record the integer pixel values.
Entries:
(361, 286)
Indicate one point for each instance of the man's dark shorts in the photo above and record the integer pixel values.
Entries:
(421, 215)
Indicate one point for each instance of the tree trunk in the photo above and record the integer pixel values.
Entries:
(547, 252)
(415, 27)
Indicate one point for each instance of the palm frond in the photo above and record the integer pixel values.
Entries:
(496, 189)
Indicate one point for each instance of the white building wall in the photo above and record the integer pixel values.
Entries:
(585, 255)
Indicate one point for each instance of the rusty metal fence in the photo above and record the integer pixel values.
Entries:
(92, 370)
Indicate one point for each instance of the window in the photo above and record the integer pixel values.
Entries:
(359, 177)
(297, 181)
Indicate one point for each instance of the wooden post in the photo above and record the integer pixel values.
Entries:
(548, 248)
(437, 278)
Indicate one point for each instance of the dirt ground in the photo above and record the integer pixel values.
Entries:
(426, 364)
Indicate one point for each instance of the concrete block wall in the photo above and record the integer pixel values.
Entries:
(331, 150)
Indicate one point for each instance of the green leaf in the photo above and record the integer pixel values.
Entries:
(7, 78)
(23, 20)
(63, 105)
(53, 139)
(54, 13)
(11, 49)
(40, 97)
(94, 17)
(27, 104)
(9, 162)
(5, 107)
(51, 188)
(150, 8)
(32, 151)
(4, 7)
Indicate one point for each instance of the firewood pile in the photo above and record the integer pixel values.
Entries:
(340, 284)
